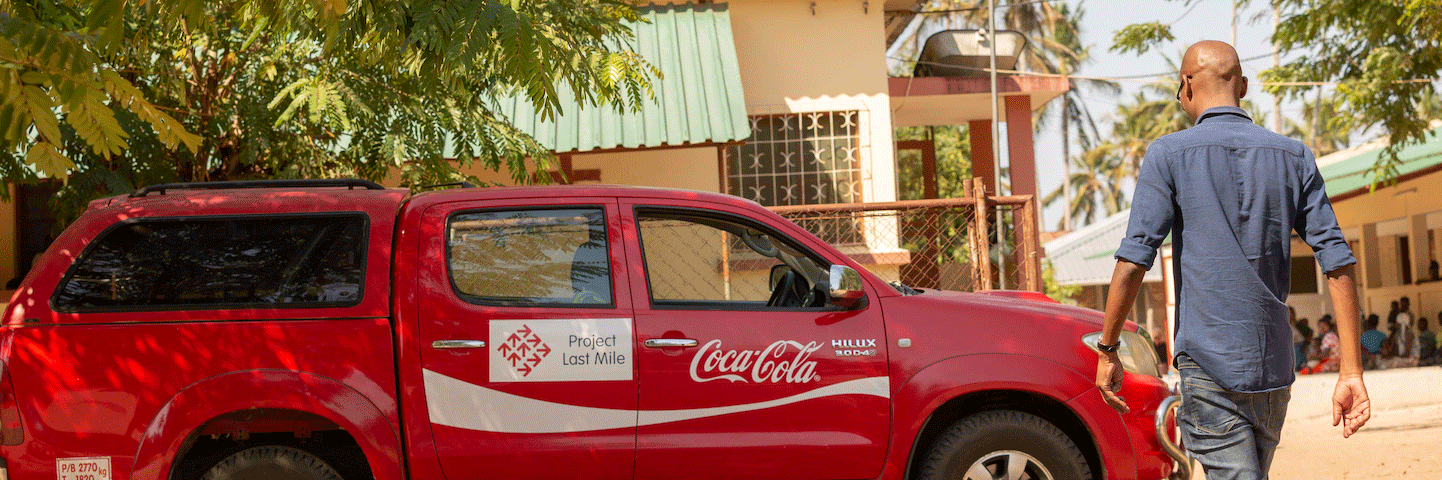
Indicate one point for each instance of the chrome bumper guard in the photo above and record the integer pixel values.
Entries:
(1184, 464)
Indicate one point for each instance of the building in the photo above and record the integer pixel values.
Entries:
(1392, 230)
(1085, 257)
(783, 102)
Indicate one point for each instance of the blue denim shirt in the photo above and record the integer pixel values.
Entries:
(1230, 193)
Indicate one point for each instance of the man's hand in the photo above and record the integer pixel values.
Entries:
(1109, 381)
(1350, 405)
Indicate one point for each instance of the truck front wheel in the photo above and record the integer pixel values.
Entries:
(1006, 444)
(272, 462)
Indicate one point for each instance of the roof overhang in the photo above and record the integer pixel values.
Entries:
(698, 100)
(1348, 172)
(929, 101)
(899, 14)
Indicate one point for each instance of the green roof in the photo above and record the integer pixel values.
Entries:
(1351, 174)
(698, 100)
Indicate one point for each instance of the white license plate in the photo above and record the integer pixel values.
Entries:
(82, 468)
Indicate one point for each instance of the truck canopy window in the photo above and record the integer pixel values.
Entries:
(225, 262)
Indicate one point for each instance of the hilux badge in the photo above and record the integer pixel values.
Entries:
(861, 347)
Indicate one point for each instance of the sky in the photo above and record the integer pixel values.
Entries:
(1190, 22)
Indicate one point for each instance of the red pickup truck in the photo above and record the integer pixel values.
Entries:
(338, 329)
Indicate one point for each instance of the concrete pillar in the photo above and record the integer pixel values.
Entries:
(983, 160)
(1371, 264)
(1417, 248)
(1019, 145)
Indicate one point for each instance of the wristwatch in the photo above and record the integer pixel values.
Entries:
(1109, 348)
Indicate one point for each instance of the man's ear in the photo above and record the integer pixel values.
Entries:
(1243, 94)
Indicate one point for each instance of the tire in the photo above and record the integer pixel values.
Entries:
(988, 445)
(272, 462)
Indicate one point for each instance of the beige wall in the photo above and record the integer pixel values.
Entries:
(794, 61)
(688, 168)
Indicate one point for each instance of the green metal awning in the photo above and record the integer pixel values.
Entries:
(1350, 174)
(698, 100)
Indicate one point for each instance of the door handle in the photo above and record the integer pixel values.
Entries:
(453, 344)
(670, 342)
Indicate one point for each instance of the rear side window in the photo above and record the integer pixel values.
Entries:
(531, 257)
(225, 262)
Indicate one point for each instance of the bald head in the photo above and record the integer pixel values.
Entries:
(1211, 77)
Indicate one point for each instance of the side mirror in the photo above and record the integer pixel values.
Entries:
(846, 289)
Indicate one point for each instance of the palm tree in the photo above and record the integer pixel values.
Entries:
(1035, 20)
(1055, 48)
(1096, 183)
(1323, 129)
(1074, 113)
(1143, 121)
(1430, 107)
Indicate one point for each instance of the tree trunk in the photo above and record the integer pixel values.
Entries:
(1065, 166)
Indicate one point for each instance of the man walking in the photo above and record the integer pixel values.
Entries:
(1230, 193)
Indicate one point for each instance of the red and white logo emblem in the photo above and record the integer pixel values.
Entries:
(525, 350)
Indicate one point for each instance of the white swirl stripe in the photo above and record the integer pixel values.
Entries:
(455, 403)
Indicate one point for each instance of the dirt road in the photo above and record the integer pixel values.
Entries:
(1402, 441)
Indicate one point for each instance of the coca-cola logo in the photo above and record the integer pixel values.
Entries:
(785, 361)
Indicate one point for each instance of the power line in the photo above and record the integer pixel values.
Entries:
(1152, 75)
(1131, 79)
(972, 9)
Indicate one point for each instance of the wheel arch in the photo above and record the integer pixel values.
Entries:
(939, 395)
(231, 398)
(1047, 408)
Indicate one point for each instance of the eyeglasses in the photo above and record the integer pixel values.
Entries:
(1181, 85)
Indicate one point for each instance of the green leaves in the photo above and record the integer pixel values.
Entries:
(1140, 37)
(1383, 56)
(119, 93)
(169, 131)
(46, 159)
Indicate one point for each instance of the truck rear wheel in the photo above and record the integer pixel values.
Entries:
(1004, 444)
(272, 462)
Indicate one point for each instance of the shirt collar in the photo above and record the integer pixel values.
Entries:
(1225, 114)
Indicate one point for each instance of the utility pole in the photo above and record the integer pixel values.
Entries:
(1234, 23)
(1276, 61)
(995, 139)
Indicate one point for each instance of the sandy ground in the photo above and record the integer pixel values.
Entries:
(1403, 440)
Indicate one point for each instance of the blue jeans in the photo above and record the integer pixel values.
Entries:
(1233, 435)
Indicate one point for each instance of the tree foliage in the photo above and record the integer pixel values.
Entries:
(953, 162)
(1095, 183)
(1385, 58)
(114, 94)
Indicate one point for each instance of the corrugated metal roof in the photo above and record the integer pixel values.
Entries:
(698, 100)
(1085, 256)
(1344, 176)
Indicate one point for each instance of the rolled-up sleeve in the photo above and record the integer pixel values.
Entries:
(1153, 209)
(1317, 224)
